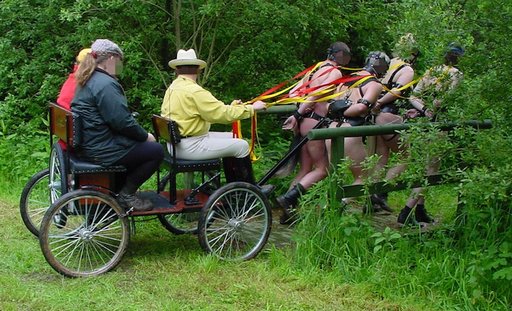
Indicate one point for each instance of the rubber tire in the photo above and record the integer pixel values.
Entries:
(223, 216)
(172, 222)
(35, 200)
(97, 229)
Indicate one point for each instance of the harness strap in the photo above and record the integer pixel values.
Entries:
(390, 81)
(314, 115)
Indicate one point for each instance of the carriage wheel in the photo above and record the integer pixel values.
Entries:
(177, 223)
(58, 175)
(180, 223)
(58, 179)
(235, 222)
(183, 223)
(35, 200)
(93, 239)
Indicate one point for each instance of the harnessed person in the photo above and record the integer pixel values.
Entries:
(398, 83)
(313, 155)
(354, 106)
(430, 89)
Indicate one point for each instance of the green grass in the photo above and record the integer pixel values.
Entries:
(425, 266)
(164, 271)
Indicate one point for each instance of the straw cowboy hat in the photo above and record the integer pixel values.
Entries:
(187, 58)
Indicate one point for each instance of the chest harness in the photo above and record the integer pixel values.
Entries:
(338, 107)
(394, 106)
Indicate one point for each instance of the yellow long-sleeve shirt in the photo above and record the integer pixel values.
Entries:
(195, 109)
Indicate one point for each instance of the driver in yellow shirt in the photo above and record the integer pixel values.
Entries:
(194, 109)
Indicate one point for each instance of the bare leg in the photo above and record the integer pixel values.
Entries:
(390, 143)
(305, 166)
(315, 155)
(318, 156)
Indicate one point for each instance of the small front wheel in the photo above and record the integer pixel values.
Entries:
(93, 238)
(235, 222)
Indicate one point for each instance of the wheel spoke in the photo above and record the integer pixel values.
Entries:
(235, 222)
(92, 240)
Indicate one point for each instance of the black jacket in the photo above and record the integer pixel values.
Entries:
(109, 130)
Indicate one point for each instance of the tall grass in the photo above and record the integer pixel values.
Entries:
(430, 265)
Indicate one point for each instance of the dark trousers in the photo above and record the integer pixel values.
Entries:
(141, 162)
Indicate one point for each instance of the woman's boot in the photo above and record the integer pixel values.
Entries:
(129, 200)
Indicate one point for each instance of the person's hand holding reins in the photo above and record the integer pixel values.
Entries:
(259, 105)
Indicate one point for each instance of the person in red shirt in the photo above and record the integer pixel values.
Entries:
(67, 90)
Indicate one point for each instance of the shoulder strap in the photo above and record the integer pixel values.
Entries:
(327, 64)
(360, 87)
(390, 81)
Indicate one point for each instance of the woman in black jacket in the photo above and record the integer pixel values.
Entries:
(110, 134)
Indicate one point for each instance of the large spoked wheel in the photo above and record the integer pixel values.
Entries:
(183, 223)
(58, 178)
(36, 199)
(235, 222)
(93, 239)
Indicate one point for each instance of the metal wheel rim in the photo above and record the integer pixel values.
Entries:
(91, 241)
(35, 200)
(181, 223)
(56, 173)
(237, 224)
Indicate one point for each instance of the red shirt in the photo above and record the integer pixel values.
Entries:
(67, 92)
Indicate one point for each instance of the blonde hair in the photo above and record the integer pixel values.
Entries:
(405, 46)
(87, 67)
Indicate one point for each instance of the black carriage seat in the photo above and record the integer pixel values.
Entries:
(78, 166)
(66, 125)
(167, 130)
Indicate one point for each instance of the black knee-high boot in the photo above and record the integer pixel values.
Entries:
(380, 201)
(238, 169)
(288, 202)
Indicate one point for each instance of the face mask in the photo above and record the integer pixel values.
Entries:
(119, 67)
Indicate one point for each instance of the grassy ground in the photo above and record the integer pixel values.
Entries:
(162, 271)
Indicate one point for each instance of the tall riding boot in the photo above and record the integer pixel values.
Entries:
(230, 170)
(240, 169)
(244, 170)
(288, 202)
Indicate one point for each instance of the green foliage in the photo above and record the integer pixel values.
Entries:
(327, 240)
(385, 240)
(253, 45)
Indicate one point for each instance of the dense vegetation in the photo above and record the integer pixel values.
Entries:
(252, 45)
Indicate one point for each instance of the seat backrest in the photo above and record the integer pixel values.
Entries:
(65, 125)
(166, 129)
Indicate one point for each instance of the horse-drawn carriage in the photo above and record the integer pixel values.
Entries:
(83, 231)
